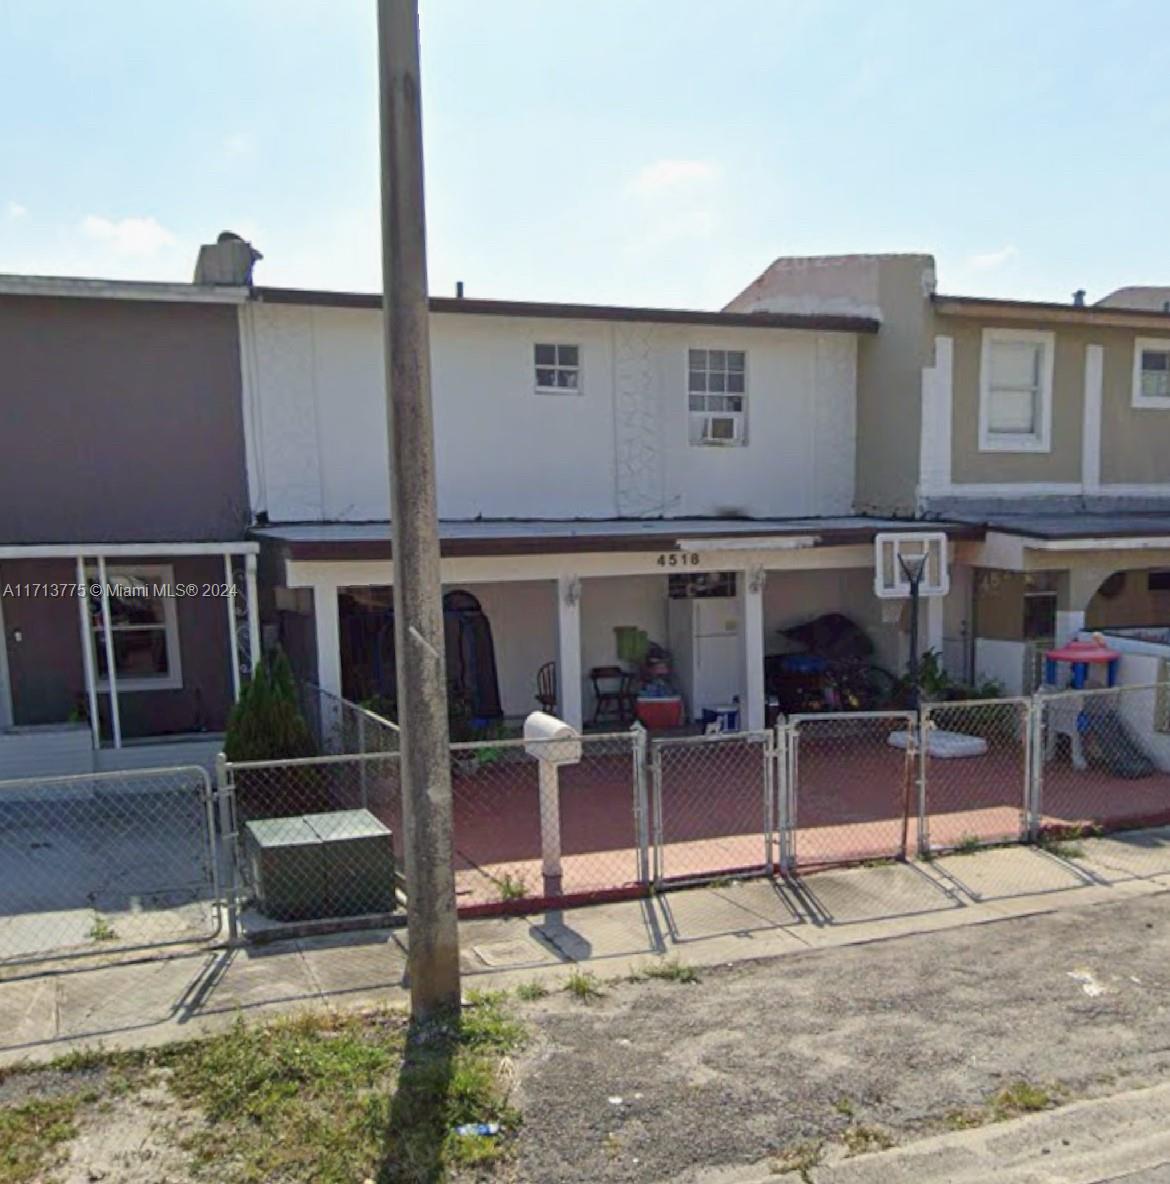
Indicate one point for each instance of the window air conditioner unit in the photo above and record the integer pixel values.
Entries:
(721, 429)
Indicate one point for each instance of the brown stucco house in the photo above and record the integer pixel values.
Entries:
(127, 587)
(1046, 424)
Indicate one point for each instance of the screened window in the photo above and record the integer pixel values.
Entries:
(1151, 379)
(143, 626)
(558, 369)
(1016, 392)
(717, 395)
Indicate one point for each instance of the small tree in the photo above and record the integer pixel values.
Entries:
(267, 724)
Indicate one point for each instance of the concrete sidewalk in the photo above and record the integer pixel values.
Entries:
(200, 991)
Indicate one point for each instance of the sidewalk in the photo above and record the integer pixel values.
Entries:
(202, 991)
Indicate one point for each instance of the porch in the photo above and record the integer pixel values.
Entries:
(122, 656)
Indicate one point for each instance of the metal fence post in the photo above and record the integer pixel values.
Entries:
(656, 783)
(641, 803)
(363, 778)
(925, 723)
(1035, 787)
(227, 844)
(791, 800)
(780, 756)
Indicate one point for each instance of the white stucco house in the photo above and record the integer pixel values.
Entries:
(586, 455)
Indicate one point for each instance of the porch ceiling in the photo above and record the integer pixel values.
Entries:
(371, 540)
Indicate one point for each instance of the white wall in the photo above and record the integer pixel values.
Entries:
(316, 418)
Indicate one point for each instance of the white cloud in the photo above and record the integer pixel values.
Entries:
(16, 210)
(990, 260)
(667, 175)
(238, 144)
(128, 236)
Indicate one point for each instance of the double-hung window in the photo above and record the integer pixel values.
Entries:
(717, 396)
(144, 628)
(1015, 391)
(1151, 373)
(558, 369)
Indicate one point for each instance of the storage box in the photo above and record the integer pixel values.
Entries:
(286, 863)
(358, 857)
(655, 714)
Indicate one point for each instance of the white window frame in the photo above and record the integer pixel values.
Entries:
(562, 391)
(697, 418)
(1140, 400)
(1040, 440)
(154, 573)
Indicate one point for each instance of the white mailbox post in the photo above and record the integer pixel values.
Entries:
(553, 743)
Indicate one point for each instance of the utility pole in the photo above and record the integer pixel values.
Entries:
(433, 960)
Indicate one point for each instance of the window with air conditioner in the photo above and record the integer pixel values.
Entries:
(717, 396)
(1015, 391)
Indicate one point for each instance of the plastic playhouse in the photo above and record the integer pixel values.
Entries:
(1095, 731)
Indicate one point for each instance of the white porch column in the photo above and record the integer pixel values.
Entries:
(569, 651)
(934, 626)
(5, 686)
(253, 611)
(95, 724)
(751, 598)
(1068, 625)
(327, 620)
(233, 641)
(111, 673)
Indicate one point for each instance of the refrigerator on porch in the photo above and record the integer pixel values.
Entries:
(707, 651)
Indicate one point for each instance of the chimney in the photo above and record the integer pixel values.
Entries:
(227, 261)
(1079, 298)
(459, 290)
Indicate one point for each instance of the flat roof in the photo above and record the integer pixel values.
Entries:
(1081, 526)
(466, 306)
(1049, 311)
(86, 288)
(371, 540)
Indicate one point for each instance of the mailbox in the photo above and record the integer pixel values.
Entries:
(551, 740)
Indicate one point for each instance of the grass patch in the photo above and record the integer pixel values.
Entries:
(1021, 1097)
(101, 929)
(844, 1106)
(531, 991)
(584, 986)
(966, 1119)
(798, 1159)
(671, 970)
(33, 1135)
(860, 1139)
(1064, 842)
(968, 845)
(512, 888)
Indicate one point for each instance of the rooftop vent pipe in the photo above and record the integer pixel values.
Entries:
(1079, 298)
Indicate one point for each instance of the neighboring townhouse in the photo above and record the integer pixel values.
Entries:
(1048, 424)
(601, 470)
(121, 474)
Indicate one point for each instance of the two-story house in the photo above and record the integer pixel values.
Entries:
(604, 472)
(1048, 424)
(127, 586)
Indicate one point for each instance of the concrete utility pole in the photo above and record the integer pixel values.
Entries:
(418, 611)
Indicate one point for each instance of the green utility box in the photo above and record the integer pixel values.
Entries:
(286, 863)
(359, 862)
(316, 866)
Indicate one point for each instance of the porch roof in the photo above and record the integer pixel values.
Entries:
(514, 536)
(1074, 528)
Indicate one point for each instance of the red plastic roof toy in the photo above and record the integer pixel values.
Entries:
(1082, 651)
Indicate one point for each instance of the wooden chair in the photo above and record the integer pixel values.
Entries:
(546, 688)
(614, 694)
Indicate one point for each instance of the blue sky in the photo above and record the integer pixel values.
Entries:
(622, 151)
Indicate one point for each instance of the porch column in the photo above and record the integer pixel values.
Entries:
(253, 611)
(327, 621)
(111, 673)
(934, 626)
(95, 723)
(751, 596)
(1068, 625)
(569, 650)
(233, 640)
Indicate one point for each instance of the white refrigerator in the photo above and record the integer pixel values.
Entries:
(707, 651)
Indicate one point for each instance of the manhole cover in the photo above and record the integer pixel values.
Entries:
(511, 953)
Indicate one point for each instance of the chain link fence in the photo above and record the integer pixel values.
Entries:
(106, 862)
(548, 819)
(854, 787)
(312, 839)
(1103, 760)
(975, 773)
(340, 726)
(714, 801)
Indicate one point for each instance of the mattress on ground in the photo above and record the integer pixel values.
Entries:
(945, 745)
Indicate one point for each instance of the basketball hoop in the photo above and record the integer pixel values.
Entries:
(903, 559)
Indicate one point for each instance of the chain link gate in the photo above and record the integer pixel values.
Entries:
(96, 863)
(850, 787)
(713, 806)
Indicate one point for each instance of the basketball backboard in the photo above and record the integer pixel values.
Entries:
(890, 579)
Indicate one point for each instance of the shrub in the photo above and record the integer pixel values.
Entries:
(266, 724)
